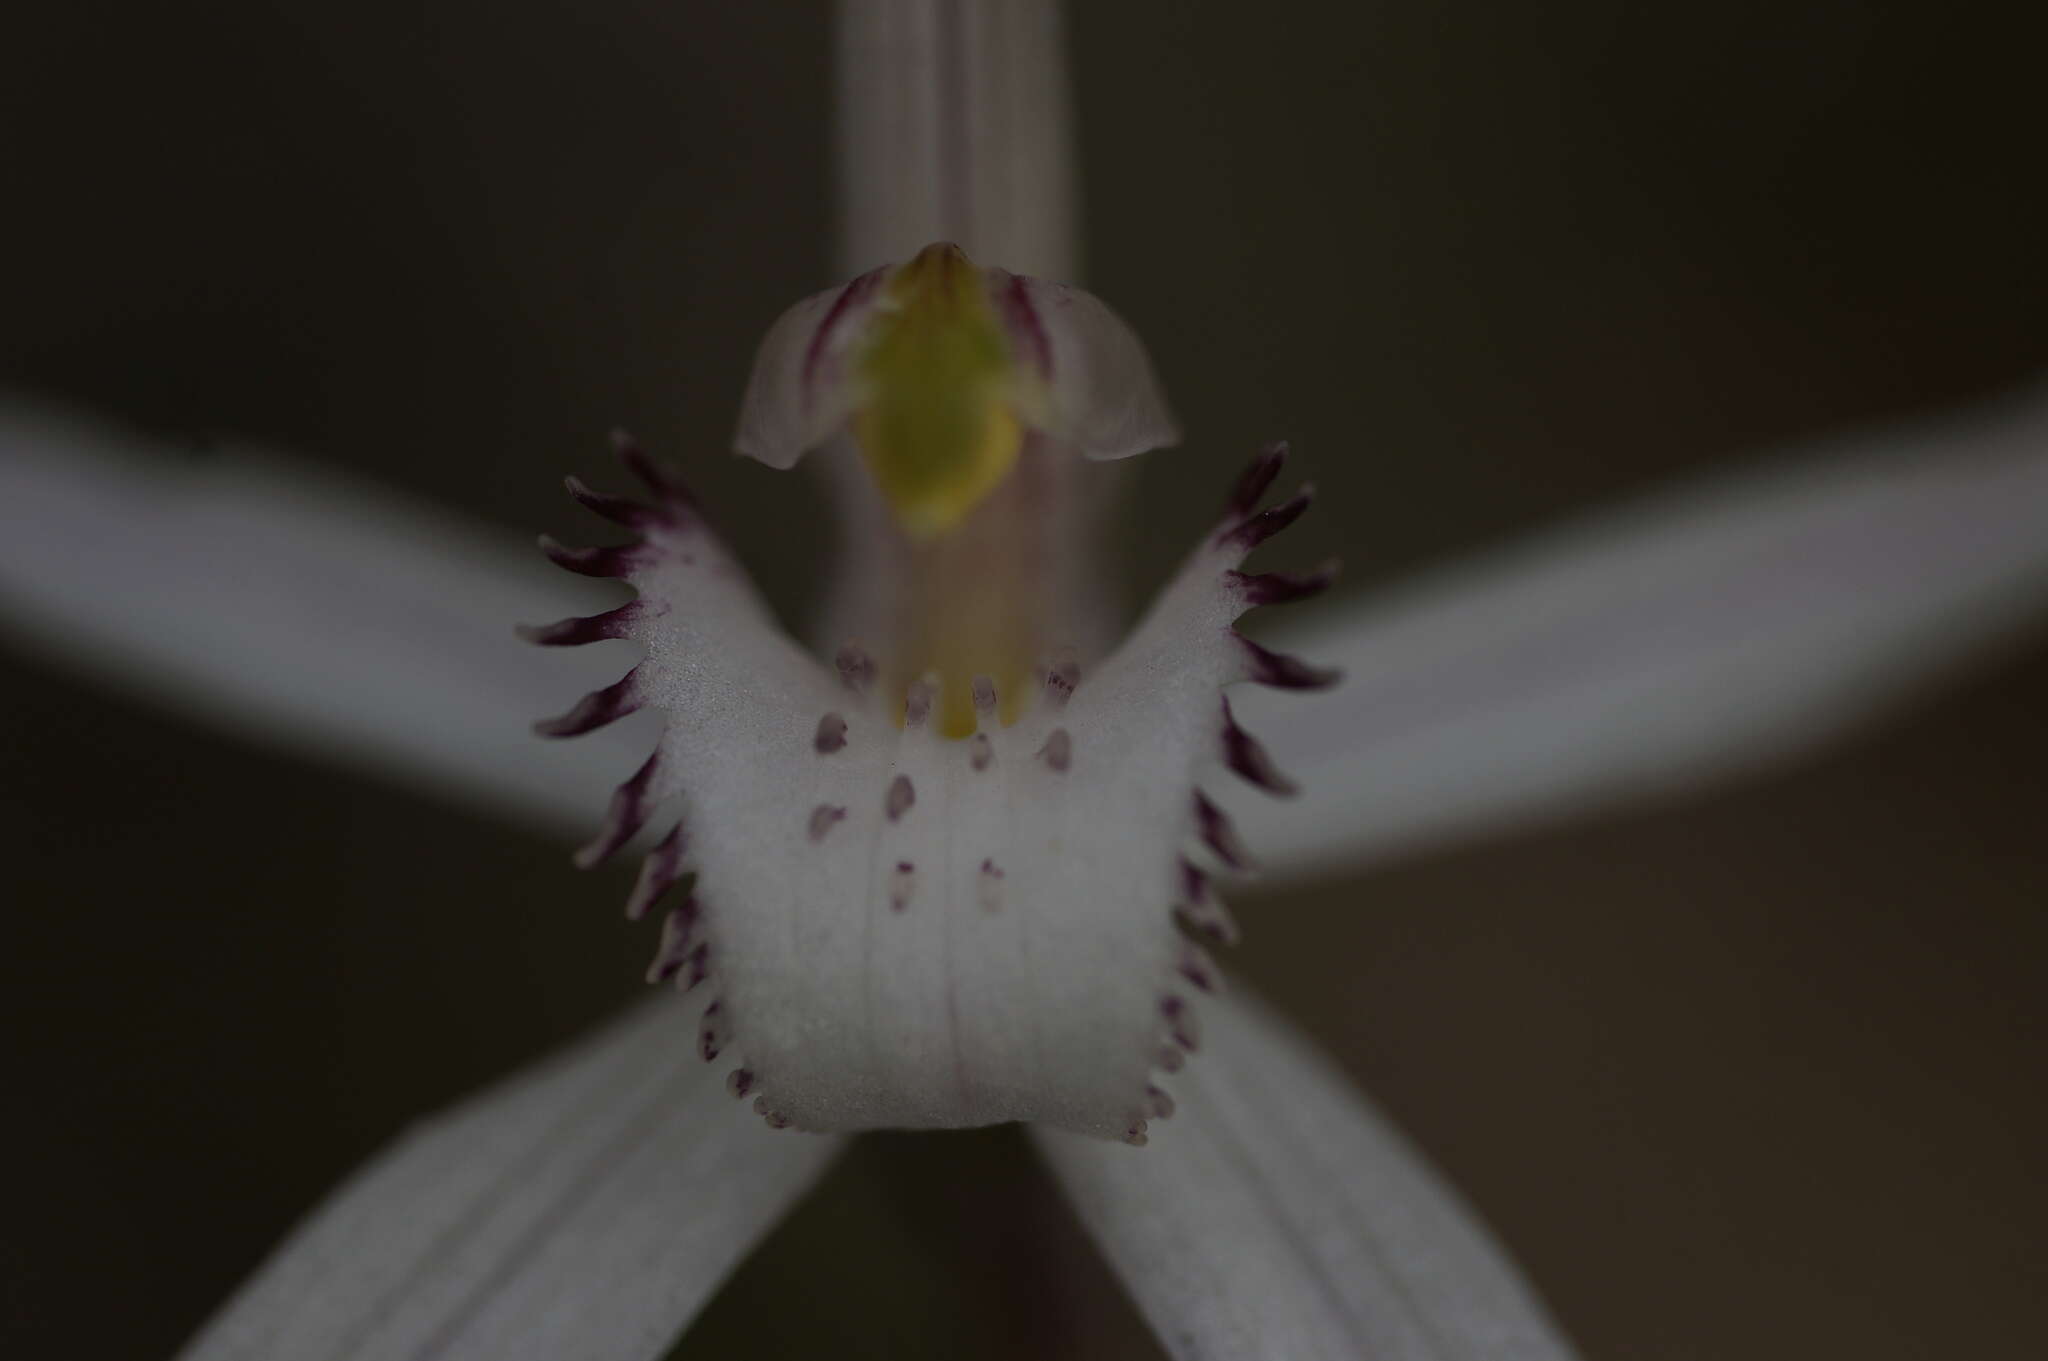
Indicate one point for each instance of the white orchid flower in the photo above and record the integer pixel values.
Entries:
(947, 874)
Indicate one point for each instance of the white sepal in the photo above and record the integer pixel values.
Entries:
(954, 122)
(286, 603)
(586, 1208)
(1704, 632)
(1279, 1215)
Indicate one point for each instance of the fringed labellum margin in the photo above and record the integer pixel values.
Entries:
(904, 927)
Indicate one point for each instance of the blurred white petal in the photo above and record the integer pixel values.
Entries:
(281, 600)
(1712, 629)
(587, 1208)
(953, 125)
(1277, 1215)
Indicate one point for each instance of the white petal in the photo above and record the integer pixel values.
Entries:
(905, 930)
(284, 601)
(798, 395)
(1278, 1215)
(1710, 630)
(1106, 401)
(953, 124)
(584, 1209)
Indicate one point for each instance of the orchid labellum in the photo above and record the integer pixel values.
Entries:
(935, 883)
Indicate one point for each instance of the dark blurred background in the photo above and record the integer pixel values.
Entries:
(1756, 1073)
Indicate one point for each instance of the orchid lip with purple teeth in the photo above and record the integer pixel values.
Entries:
(941, 880)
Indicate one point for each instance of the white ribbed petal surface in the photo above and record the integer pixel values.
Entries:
(953, 123)
(1277, 1215)
(281, 601)
(583, 1210)
(1711, 629)
(1020, 976)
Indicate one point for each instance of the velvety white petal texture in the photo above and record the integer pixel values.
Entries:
(900, 929)
(1277, 1215)
(953, 124)
(582, 1211)
(284, 601)
(1714, 628)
